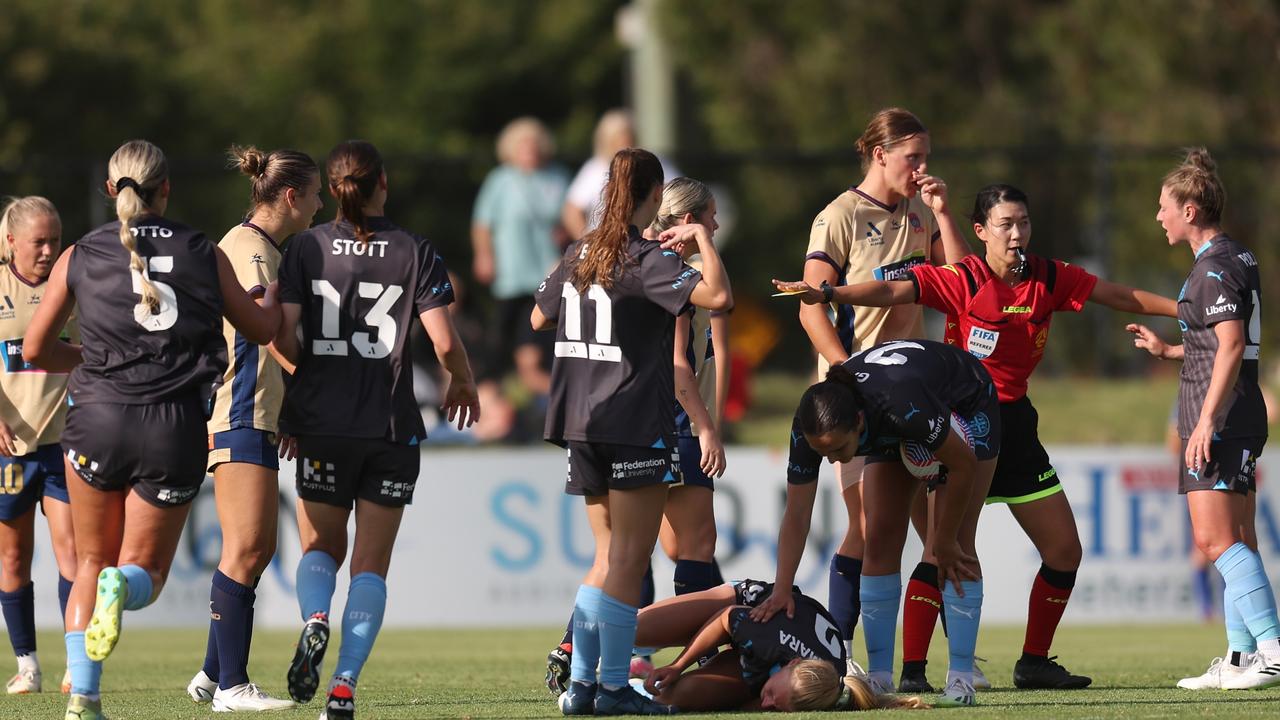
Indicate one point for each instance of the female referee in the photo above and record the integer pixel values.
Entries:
(1222, 418)
(999, 307)
(894, 219)
(688, 532)
(150, 294)
(613, 299)
(898, 390)
(353, 288)
(32, 415)
(285, 196)
(788, 663)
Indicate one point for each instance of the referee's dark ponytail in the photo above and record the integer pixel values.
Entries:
(354, 169)
(831, 404)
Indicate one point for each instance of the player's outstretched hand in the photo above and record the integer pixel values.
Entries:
(1144, 338)
(461, 403)
(661, 678)
(288, 447)
(779, 599)
(713, 462)
(808, 294)
(933, 191)
(7, 446)
(954, 565)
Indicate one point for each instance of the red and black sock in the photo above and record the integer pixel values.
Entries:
(1049, 595)
(920, 608)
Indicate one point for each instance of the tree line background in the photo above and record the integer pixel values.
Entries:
(1082, 103)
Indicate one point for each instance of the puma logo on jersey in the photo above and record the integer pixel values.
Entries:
(1215, 275)
(786, 639)
(370, 248)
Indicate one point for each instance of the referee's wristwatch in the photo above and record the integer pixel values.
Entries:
(828, 292)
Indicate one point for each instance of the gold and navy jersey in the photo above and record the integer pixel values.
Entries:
(131, 356)
(359, 302)
(252, 388)
(864, 239)
(613, 379)
(33, 402)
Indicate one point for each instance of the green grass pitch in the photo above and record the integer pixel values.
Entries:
(498, 674)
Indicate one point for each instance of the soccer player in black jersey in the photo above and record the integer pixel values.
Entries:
(613, 300)
(895, 391)
(788, 663)
(350, 291)
(1222, 419)
(150, 294)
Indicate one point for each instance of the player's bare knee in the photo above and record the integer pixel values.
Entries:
(15, 567)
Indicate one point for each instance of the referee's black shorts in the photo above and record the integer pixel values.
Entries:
(1023, 472)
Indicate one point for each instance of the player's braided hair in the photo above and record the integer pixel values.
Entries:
(887, 128)
(272, 173)
(136, 171)
(815, 685)
(354, 168)
(17, 213)
(832, 404)
(633, 174)
(682, 196)
(1196, 181)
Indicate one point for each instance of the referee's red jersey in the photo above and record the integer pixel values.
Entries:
(1007, 327)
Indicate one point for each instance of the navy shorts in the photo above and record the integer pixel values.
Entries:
(691, 464)
(337, 470)
(158, 450)
(244, 445)
(24, 480)
(1232, 467)
(597, 468)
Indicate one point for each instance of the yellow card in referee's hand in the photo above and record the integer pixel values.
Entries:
(786, 293)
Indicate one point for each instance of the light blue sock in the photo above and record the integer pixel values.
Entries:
(963, 616)
(586, 634)
(366, 604)
(879, 595)
(1249, 589)
(617, 637)
(1239, 639)
(140, 587)
(86, 674)
(317, 575)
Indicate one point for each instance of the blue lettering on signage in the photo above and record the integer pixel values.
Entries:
(500, 504)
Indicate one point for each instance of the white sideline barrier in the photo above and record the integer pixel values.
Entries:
(491, 540)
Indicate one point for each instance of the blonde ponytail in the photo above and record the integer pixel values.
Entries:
(136, 171)
(19, 211)
(815, 685)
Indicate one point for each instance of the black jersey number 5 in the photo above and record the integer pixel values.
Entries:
(378, 318)
(167, 315)
(573, 345)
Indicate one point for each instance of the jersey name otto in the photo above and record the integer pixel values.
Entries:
(864, 239)
(1007, 327)
(612, 379)
(33, 403)
(144, 358)
(359, 302)
(1224, 284)
(252, 388)
(908, 390)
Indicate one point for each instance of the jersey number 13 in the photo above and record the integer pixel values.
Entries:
(367, 345)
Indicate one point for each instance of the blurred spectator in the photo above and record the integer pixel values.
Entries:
(614, 131)
(517, 238)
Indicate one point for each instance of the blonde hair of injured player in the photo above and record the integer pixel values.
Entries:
(700, 623)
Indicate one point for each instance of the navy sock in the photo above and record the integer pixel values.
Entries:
(19, 609)
(64, 594)
(230, 604)
(647, 590)
(211, 649)
(694, 576)
(844, 580)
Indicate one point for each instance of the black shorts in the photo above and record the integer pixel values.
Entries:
(597, 468)
(159, 450)
(337, 470)
(691, 464)
(1232, 466)
(1023, 473)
